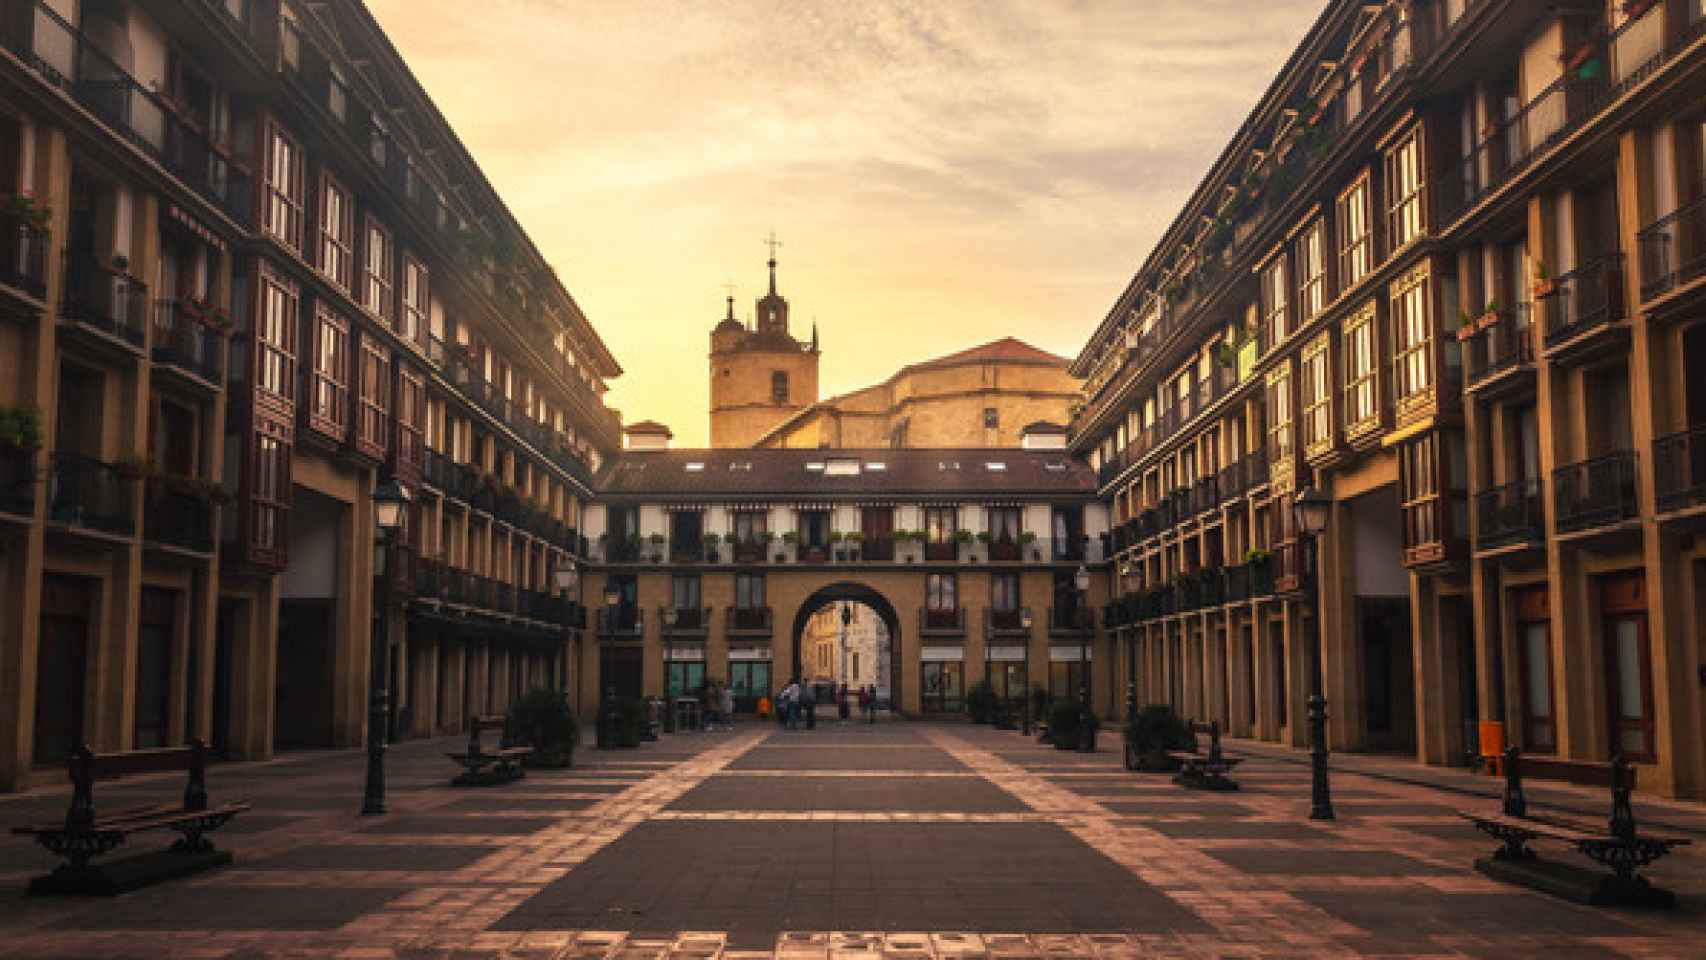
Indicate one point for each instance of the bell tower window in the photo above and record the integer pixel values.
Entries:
(779, 386)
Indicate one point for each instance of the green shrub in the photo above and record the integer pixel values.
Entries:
(633, 722)
(1063, 729)
(980, 702)
(1157, 729)
(544, 720)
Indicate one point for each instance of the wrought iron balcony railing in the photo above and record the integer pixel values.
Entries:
(85, 492)
(23, 256)
(1508, 514)
(1587, 297)
(183, 341)
(1595, 493)
(1679, 469)
(1673, 249)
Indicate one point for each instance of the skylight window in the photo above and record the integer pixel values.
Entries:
(696, 466)
(841, 468)
(995, 466)
(744, 466)
(1055, 466)
(815, 466)
(876, 466)
(947, 464)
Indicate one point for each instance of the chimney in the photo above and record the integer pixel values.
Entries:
(1042, 435)
(646, 435)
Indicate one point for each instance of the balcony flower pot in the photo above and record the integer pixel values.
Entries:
(1543, 287)
(781, 557)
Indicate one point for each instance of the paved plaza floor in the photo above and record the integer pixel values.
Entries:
(908, 840)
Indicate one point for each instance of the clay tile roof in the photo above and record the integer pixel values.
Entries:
(768, 474)
(1006, 349)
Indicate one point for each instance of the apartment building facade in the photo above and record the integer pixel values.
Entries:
(1448, 274)
(713, 564)
(246, 273)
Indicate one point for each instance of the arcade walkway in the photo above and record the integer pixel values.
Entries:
(916, 840)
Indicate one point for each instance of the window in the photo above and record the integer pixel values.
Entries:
(375, 397)
(749, 526)
(1004, 592)
(941, 593)
(284, 188)
(411, 414)
(1356, 251)
(415, 300)
(941, 682)
(778, 386)
(940, 525)
(1404, 210)
(328, 392)
(1005, 524)
(275, 336)
(684, 594)
(1274, 301)
(1628, 660)
(380, 281)
(1311, 272)
(749, 591)
(1419, 492)
(337, 232)
(1317, 391)
(1534, 638)
(991, 418)
(1279, 414)
(269, 493)
(1360, 385)
(1066, 678)
(814, 529)
(1413, 363)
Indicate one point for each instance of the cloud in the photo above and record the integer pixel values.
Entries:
(941, 173)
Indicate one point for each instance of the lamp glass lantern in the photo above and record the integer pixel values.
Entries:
(1310, 510)
(1081, 579)
(565, 578)
(612, 597)
(390, 505)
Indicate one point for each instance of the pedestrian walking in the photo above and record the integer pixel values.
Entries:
(791, 704)
(842, 707)
(871, 704)
(808, 703)
(728, 707)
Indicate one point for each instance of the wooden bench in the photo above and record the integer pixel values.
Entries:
(483, 767)
(1205, 771)
(1617, 844)
(86, 834)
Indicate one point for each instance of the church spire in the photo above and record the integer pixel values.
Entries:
(772, 243)
(814, 334)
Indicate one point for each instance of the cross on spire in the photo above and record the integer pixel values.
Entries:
(771, 242)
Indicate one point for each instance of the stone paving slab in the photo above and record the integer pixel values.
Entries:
(919, 872)
(807, 792)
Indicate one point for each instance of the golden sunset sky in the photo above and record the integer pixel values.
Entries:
(940, 173)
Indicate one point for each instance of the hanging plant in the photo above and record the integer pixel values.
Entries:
(20, 427)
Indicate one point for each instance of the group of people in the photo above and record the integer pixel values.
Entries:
(797, 703)
(717, 706)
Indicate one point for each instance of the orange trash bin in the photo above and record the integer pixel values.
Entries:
(1493, 745)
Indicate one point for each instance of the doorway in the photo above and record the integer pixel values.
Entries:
(302, 691)
(1389, 685)
(62, 666)
(849, 633)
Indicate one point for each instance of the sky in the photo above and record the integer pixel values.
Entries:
(940, 174)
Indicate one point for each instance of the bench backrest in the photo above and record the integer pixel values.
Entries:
(1213, 730)
(87, 766)
(492, 722)
(1618, 776)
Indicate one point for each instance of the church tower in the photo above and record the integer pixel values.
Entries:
(760, 375)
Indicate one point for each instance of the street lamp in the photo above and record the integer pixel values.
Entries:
(1311, 510)
(669, 615)
(390, 511)
(566, 579)
(846, 619)
(1086, 732)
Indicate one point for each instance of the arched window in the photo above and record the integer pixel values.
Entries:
(779, 386)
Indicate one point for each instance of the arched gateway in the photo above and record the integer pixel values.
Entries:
(851, 592)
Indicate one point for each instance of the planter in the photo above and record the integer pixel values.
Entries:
(1467, 332)
(1487, 319)
(1543, 288)
(1149, 761)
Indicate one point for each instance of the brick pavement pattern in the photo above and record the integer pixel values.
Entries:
(901, 840)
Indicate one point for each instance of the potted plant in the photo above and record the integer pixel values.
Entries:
(24, 206)
(1466, 328)
(657, 542)
(20, 428)
(121, 263)
(711, 540)
(1028, 540)
(855, 543)
(542, 719)
(1543, 284)
(1153, 733)
(836, 537)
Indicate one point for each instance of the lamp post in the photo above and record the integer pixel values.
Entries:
(1025, 622)
(1086, 729)
(1311, 510)
(669, 615)
(390, 502)
(566, 578)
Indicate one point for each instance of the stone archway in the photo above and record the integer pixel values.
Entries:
(857, 593)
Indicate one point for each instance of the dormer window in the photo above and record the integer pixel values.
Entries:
(779, 386)
(841, 468)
